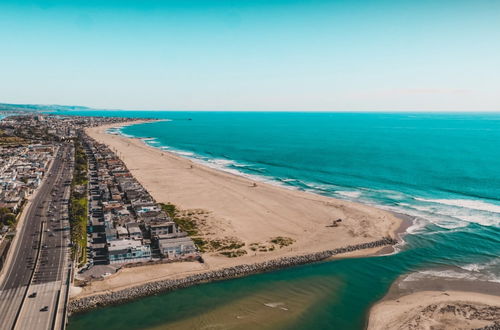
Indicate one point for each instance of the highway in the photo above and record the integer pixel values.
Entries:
(36, 275)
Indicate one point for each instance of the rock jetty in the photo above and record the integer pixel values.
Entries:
(79, 305)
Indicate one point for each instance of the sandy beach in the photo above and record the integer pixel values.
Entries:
(446, 310)
(232, 207)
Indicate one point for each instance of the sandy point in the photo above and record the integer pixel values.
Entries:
(446, 310)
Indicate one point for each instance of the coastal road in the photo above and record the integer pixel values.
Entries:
(40, 256)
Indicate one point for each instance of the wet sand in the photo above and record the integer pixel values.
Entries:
(444, 303)
(446, 310)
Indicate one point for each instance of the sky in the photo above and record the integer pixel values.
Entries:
(354, 55)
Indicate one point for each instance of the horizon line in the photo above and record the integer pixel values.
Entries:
(90, 108)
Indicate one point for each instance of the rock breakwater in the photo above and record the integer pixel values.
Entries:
(79, 305)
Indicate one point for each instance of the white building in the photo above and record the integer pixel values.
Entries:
(128, 250)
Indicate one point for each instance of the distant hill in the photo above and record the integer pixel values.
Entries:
(40, 107)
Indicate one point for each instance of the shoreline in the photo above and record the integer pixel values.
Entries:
(365, 230)
(411, 302)
(179, 154)
(402, 288)
(447, 310)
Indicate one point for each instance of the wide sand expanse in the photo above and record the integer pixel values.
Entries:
(444, 310)
(232, 207)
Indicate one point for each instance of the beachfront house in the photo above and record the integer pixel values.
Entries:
(128, 250)
(162, 228)
(174, 248)
(134, 231)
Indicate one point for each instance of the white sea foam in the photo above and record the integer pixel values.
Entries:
(319, 187)
(222, 162)
(425, 274)
(473, 267)
(445, 213)
(349, 193)
(226, 166)
(126, 135)
(461, 275)
(390, 194)
(118, 131)
(182, 153)
(418, 226)
(465, 203)
(492, 266)
(240, 165)
(451, 216)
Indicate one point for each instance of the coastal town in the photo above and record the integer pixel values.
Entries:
(90, 218)
(79, 230)
(22, 168)
(68, 204)
(225, 164)
(126, 225)
(122, 223)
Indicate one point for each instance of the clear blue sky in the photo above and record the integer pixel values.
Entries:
(252, 55)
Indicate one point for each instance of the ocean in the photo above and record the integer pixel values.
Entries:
(442, 169)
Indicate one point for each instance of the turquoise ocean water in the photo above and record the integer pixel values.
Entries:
(443, 169)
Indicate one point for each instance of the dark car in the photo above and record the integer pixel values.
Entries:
(33, 295)
(44, 309)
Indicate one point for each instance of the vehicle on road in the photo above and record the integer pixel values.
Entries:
(33, 295)
(44, 309)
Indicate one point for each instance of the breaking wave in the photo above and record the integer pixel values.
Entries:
(349, 194)
(453, 274)
(465, 203)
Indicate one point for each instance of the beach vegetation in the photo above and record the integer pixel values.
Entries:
(200, 243)
(78, 225)
(189, 221)
(7, 218)
(169, 209)
(78, 206)
(185, 223)
(80, 174)
(282, 241)
(227, 243)
(234, 254)
(262, 247)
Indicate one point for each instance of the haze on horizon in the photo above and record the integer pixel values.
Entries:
(252, 55)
